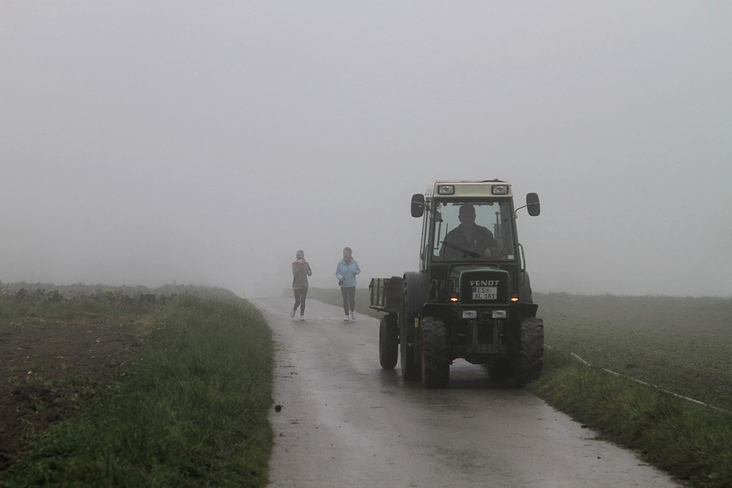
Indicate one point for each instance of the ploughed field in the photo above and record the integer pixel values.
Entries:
(171, 385)
(58, 344)
(52, 362)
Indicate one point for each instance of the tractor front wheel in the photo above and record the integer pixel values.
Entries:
(531, 355)
(435, 353)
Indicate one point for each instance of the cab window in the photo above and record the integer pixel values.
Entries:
(472, 231)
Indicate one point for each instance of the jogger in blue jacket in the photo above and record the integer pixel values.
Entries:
(346, 272)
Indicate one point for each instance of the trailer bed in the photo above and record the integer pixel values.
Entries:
(386, 294)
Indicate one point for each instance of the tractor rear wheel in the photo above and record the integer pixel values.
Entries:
(435, 353)
(408, 352)
(388, 341)
(407, 347)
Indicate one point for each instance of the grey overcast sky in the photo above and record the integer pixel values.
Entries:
(153, 142)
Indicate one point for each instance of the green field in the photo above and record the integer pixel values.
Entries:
(679, 344)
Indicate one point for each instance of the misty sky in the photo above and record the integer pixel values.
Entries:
(146, 143)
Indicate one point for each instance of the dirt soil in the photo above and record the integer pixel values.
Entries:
(49, 364)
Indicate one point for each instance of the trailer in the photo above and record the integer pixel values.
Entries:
(386, 296)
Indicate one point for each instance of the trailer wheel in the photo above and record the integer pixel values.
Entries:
(435, 353)
(388, 341)
(531, 355)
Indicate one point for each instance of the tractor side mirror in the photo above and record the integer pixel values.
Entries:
(417, 205)
(532, 204)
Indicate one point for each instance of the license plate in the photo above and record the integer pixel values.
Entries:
(485, 293)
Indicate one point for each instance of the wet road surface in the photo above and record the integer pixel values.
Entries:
(347, 423)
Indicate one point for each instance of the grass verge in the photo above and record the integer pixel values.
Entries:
(190, 409)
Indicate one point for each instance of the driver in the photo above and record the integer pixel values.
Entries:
(469, 239)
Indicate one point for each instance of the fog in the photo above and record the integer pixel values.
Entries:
(147, 143)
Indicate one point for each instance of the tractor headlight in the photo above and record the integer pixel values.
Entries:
(500, 314)
(470, 314)
(445, 189)
(499, 190)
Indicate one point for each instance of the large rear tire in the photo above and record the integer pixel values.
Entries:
(388, 341)
(435, 353)
(411, 370)
(531, 355)
(408, 351)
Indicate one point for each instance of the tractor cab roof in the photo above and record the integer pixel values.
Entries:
(461, 189)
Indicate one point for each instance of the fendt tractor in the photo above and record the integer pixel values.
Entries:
(471, 298)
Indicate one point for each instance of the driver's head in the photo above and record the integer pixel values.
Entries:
(467, 213)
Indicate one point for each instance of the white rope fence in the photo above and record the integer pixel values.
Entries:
(575, 356)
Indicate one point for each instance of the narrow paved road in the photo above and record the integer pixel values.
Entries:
(347, 423)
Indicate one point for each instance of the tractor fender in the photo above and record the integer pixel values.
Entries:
(525, 309)
(415, 293)
(525, 289)
(443, 310)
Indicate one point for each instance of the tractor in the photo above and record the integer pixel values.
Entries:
(471, 298)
